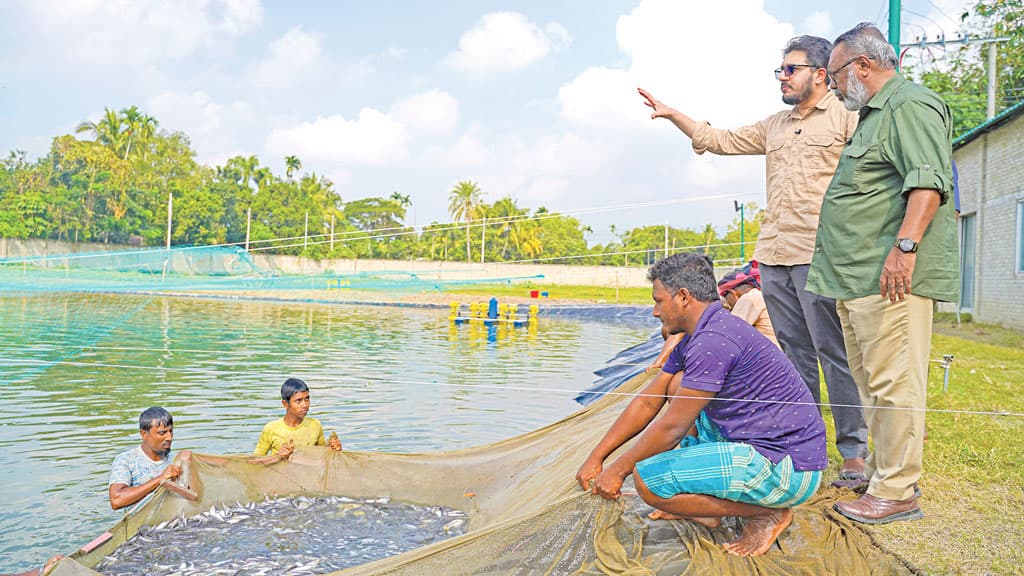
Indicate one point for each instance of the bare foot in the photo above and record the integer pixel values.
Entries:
(707, 521)
(662, 515)
(760, 533)
(703, 521)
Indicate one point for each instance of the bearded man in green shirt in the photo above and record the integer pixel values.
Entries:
(886, 249)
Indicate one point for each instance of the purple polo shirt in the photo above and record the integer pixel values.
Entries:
(760, 398)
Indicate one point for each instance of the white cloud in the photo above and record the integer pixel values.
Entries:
(138, 32)
(213, 128)
(506, 41)
(373, 138)
(468, 151)
(432, 111)
(818, 24)
(603, 97)
(542, 171)
(703, 73)
(290, 59)
(943, 16)
(240, 16)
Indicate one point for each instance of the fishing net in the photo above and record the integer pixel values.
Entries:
(205, 269)
(525, 513)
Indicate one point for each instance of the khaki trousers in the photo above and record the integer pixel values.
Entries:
(888, 346)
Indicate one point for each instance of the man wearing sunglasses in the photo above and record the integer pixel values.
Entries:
(802, 145)
(886, 249)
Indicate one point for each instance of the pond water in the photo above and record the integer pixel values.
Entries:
(76, 370)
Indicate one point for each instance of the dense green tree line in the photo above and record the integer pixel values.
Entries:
(115, 186)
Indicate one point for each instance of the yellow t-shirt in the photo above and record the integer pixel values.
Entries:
(277, 433)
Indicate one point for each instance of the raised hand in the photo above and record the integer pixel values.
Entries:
(661, 110)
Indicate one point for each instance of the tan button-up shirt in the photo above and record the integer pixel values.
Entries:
(802, 156)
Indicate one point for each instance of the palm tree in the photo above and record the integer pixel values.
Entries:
(247, 168)
(292, 164)
(262, 176)
(109, 131)
(463, 203)
(402, 199)
(507, 215)
(138, 126)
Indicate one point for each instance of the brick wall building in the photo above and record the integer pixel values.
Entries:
(990, 161)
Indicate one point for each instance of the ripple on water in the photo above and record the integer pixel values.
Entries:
(386, 379)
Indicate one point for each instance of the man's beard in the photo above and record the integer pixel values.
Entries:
(794, 98)
(856, 95)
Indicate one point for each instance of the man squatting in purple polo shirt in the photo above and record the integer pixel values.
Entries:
(741, 435)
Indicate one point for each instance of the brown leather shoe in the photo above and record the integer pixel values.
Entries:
(874, 510)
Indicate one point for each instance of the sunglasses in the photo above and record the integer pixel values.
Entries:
(789, 69)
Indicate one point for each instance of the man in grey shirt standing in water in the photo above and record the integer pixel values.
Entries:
(802, 145)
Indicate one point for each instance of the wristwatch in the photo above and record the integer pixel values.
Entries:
(906, 245)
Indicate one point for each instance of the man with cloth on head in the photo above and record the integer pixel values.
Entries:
(886, 250)
(741, 295)
(759, 443)
(802, 146)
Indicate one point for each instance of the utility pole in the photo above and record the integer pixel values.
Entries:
(743, 245)
(170, 210)
(990, 110)
(894, 28)
(248, 224)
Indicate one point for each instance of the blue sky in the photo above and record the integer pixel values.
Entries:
(531, 99)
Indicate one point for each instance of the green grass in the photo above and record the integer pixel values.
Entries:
(973, 480)
(596, 294)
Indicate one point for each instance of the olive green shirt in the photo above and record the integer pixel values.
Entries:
(902, 143)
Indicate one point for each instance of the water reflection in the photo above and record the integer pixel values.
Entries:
(77, 370)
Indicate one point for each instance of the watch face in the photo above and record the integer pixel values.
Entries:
(906, 245)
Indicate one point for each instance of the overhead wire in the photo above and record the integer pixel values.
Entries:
(389, 232)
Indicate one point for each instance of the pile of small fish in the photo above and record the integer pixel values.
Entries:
(285, 536)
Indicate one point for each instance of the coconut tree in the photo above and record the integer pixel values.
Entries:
(138, 126)
(108, 131)
(463, 204)
(402, 199)
(263, 177)
(292, 164)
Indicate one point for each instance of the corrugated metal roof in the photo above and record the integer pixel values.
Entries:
(989, 125)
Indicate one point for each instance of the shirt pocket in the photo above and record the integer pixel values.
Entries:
(775, 154)
(821, 153)
(845, 181)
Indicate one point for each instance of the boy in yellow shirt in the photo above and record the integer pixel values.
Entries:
(281, 436)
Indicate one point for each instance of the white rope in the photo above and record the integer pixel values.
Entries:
(365, 379)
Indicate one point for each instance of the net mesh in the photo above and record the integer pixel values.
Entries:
(526, 514)
(198, 269)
